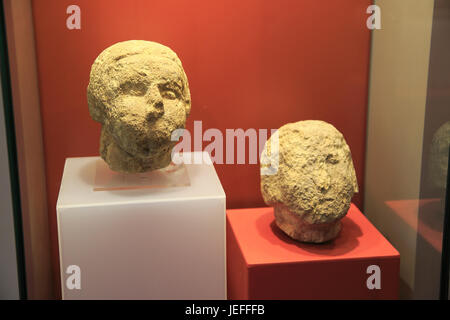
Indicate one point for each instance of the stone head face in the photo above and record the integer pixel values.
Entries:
(139, 92)
(314, 183)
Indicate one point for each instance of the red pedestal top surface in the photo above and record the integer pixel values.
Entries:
(262, 242)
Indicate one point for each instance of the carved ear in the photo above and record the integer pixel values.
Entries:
(187, 101)
(96, 108)
(355, 182)
(186, 93)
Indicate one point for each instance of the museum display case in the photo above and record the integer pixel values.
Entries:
(213, 150)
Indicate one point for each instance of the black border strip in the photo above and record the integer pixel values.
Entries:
(12, 155)
(445, 257)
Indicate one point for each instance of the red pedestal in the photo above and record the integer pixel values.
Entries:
(264, 263)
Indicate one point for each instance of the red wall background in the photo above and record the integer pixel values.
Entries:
(250, 63)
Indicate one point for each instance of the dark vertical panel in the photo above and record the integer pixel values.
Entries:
(12, 154)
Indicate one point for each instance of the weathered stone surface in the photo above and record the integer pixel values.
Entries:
(315, 181)
(139, 92)
(438, 163)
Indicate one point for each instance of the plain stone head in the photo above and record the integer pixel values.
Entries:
(315, 180)
(139, 92)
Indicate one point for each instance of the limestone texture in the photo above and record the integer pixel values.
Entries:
(139, 92)
(438, 163)
(314, 182)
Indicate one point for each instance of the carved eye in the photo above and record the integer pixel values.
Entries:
(169, 94)
(134, 88)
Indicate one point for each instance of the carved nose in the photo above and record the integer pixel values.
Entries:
(159, 105)
(156, 111)
(156, 104)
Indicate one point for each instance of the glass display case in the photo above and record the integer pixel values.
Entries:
(151, 135)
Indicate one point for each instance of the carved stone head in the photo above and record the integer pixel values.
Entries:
(139, 92)
(314, 182)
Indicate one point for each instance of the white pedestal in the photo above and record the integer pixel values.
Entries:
(146, 243)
